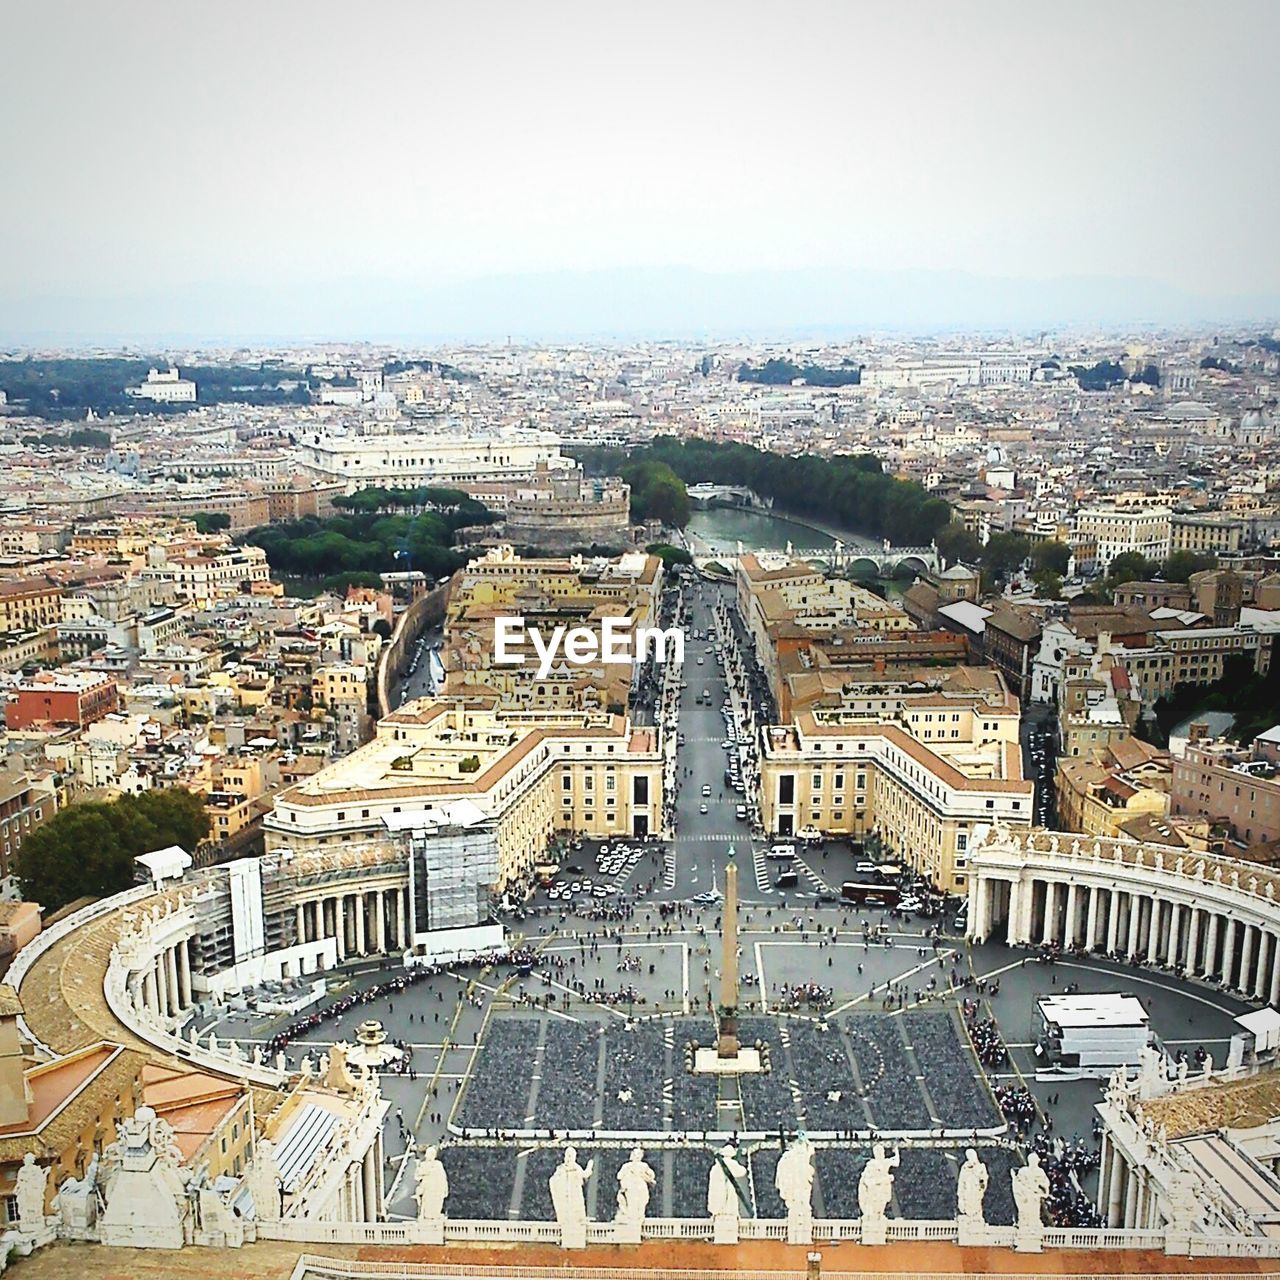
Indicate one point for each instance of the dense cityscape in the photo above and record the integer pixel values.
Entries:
(969, 750)
(637, 644)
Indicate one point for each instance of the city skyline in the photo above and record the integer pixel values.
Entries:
(1113, 170)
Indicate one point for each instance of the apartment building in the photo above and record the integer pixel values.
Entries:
(73, 698)
(25, 804)
(921, 774)
(534, 776)
(1234, 787)
(28, 604)
(546, 594)
(201, 577)
(1206, 534)
(1115, 530)
(1102, 796)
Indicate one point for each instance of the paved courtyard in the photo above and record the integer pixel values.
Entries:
(871, 1023)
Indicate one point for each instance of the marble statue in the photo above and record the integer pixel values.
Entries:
(1208, 1065)
(29, 1190)
(77, 1202)
(724, 1185)
(219, 1227)
(336, 1073)
(793, 1180)
(1116, 1091)
(430, 1185)
(282, 1063)
(1030, 1188)
(635, 1184)
(263, 1181)
(568, 1198)
(971, 1188)
(875, 1190)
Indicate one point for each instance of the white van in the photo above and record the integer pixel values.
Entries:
(781, 851)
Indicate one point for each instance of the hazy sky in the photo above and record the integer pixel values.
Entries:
(145, 147)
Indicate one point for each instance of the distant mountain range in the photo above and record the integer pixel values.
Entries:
(658, 302)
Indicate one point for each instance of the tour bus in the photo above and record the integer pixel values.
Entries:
(871, 895)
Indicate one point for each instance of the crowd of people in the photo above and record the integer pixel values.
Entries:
(1064, 1163)
(802, 995)
(517, 958)
(988, 1043)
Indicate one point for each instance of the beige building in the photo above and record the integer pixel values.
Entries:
(546, 594)
(1205, 534)
(1100, 796)
(534, 775)
(921, 777)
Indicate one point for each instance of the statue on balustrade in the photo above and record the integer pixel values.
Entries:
(1030, 1190)
(263, 1181)
(971, 1190)
(635, 1183)
(29, 1190)
(875, 1191)
(430, 1185)
(793, 1180)
(568, 1198)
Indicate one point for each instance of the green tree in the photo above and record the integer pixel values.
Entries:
(1048, 583)
(1182, 564)
(87, 850)
(1130, 566)
(1053, 556)
(211, 521)
(668, 554)
(1004, 553)
(955, 542)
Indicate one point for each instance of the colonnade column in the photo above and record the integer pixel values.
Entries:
(1073, 910)
(400, 942)
(1246, 958)
(1193, 941)
(1113, 921)
(1175, 928)
(1266, 961)
(1212, 929)
(370, 1177)
(171, 975)
(1229, 953)
(1153, 929)
(184, 972)
(1049, 930)
(359, 910)
(1135, 920)
(300, 924)
(340, 926)
(1091, 923)
(380, 920)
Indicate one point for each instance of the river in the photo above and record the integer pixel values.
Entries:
(718, 530)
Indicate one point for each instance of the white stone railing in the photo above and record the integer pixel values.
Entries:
(50, 937)
(825, 1231)
(115, 990)
(1082, 853)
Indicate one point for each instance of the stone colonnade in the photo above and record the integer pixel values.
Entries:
(362, 921)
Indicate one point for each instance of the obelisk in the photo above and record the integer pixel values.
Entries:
(728, 1043)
